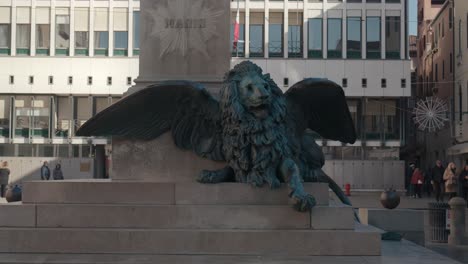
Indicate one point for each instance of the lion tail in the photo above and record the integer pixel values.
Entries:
(338, 191)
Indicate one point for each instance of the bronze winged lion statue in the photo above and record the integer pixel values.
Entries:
(265, 136)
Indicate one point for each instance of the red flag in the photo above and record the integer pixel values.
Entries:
(236, 31)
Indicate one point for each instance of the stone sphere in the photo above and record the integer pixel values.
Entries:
(390, 199)
(13, 194)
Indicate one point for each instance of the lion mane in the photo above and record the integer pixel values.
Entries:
(253, 147)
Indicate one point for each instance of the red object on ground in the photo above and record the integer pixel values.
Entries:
(347, 189)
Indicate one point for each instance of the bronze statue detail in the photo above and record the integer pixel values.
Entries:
(265, 136)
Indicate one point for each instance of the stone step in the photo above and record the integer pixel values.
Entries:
(112, 192)
(186, 242)
(175, 216)
(194, 217)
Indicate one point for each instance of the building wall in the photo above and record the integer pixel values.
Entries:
(43, 115)
(461, 66)
(435, 75)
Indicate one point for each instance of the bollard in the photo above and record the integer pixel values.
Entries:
(457, 221)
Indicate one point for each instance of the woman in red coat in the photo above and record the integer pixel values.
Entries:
(417, 181)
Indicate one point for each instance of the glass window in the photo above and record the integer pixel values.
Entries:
(354, 38)
(393, 35)
(275, 41)
(373, 38)
(23, 35)
(62, 32)
(4, 36)
(334, 38)
(4, 116)
(136, 30)
(40, 116)
(101, 42)
(64, 116)
(43, 36)
(120, 39)
(256, 35)
(81, 39)
(22, 116)
(315, 35)
(295, 35)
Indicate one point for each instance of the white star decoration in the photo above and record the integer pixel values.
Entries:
(430, 114)
(183, 26)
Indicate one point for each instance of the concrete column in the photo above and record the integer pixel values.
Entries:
(52, 28)
(305, 30)
(247, 29)
(364, 33)
(111, 28)
(13, 29)
(266, 30)
(457, 221)
(130, 28)
(32, 45)
(285, 30)
(71, 45)
(325, 34)
(383, 36)
(344, 34)
(91, 29)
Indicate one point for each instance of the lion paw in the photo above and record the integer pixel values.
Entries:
(273, 182)
(304, 201)
(209, 177)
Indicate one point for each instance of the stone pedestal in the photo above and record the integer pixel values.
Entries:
(158, 160)
(232, 219)
(457, 221)
(184, 40)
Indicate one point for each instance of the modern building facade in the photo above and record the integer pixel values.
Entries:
(361, 45)
(67, 60)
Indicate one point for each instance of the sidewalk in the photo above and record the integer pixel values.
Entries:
(372, 200)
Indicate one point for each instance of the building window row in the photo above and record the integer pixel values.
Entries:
(59, 31)
(333, 1)
(50, 80)
(27, 116)
(373, 38)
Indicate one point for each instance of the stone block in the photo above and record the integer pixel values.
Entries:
(166, 217)
(176, 241)
(158, 160)
(237, 193)
(97, 192)
(393, 220)
(17, 215)
(332, 218)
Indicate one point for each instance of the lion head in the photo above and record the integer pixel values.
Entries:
(250, 93)
(253, 113)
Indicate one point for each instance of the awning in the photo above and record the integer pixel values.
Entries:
(458, 149)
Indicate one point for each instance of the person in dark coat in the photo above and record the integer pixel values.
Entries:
(463, 183)
(437, 181)
(58, 175)
(45, 171)
(4, 178)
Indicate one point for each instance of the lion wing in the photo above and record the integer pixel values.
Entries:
(185, 108)
(320, 105)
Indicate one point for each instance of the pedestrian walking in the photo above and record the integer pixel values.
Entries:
(451, 180)
(463, 183)
(437, 181)
(417, 182)
(4, 178)
(58, 175)
(45, 171)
